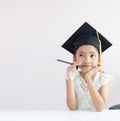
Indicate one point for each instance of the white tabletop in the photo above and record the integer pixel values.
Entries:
(58, 115)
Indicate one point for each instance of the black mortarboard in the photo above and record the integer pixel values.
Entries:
(86, 35)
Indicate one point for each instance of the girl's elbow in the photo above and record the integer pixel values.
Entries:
(100, 109)
(72, 107)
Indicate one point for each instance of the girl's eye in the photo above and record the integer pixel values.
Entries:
(81, 55)
(92, 55)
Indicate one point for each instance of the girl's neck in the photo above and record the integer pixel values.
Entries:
(82, 74)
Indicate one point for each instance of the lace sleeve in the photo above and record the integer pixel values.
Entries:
(105, 79)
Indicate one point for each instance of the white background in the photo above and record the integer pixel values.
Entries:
(31, 35)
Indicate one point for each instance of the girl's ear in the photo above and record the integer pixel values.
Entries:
(99, 60)
(74, 59)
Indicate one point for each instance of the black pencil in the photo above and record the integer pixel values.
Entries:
(64, 61)
(69, 63)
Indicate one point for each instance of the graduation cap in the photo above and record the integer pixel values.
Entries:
(87, 35)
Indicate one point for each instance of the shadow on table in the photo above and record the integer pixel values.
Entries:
(115, 107)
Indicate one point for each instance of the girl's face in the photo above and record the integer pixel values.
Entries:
(87, 56)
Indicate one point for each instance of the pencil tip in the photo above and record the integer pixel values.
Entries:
(56, 59)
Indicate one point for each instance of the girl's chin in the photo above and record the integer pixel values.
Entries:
(85, 70)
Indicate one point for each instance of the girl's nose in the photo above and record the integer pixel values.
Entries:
(87, 59)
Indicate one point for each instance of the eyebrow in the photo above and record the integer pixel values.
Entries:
(82, 52)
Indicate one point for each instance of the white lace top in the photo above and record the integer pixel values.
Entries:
(82, 93)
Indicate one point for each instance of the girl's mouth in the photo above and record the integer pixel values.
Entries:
(86, 66)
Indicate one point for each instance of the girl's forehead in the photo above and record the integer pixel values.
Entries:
(87, 48)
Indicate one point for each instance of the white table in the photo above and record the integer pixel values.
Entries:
(58, 115)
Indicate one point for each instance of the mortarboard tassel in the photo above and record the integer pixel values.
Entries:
(100, 49)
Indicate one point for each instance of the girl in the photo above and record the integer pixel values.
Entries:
(87, 86)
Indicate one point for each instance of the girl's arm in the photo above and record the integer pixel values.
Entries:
(71, 97)
(99, 98)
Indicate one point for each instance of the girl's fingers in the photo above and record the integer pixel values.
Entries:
(93, 71)
(77, 64)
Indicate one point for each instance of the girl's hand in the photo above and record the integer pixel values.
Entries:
(92, 72)
(72, 71)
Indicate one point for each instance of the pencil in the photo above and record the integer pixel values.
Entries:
(64, 61)
(69, 63)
